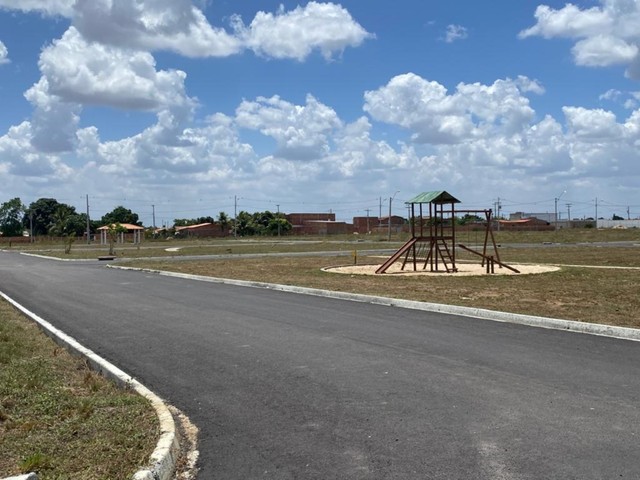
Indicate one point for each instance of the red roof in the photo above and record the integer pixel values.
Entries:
(128, 226)
(193, 226)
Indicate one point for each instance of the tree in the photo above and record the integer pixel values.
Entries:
(42, 211)
(10, 218)
(61, 225)
(468, 218)
(279, 221)
(261, 221)
(224, 222)
(617, 217)
(114, 229)
(68, 224)
(77, 224)
(121, 215)
(244, 224)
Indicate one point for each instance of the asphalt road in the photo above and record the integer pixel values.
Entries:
(286, 386)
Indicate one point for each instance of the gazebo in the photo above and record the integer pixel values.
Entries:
(134, 231)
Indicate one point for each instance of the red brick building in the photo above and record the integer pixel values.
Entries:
(202, 230)
(525, 224)
(316, 224)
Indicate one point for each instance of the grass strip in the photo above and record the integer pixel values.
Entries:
(60, 419)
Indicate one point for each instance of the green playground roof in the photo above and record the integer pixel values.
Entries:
(433, 197)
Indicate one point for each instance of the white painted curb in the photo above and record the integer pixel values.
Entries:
(624, 333)
(164, 456)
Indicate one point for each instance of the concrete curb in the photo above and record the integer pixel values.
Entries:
(163, 458)
(56, 259)
(28, 476)
(492, 315)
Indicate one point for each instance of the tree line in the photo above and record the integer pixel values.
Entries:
(47, 216)
(246, 224)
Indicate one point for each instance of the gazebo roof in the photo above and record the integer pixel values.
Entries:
(433, 197)
(128, 226)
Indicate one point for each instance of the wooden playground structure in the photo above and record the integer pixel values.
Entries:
(433, 238)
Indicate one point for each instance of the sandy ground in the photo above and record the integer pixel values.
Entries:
(464, 269)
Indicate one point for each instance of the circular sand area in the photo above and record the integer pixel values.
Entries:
(464, 269)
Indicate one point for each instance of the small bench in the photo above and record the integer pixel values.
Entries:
(107, 257)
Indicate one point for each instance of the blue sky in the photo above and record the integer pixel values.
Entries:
(193, 106)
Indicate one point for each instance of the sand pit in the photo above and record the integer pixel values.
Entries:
(464, 269)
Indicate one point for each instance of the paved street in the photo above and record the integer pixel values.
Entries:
(287, 386)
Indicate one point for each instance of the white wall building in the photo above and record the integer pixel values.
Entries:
(618, 223)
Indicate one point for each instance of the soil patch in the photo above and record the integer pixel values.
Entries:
(464, 270)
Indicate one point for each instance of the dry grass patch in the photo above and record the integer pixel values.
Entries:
(575, 255)
(60, 419)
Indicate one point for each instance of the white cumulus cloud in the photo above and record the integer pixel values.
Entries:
(608, 34)
(175, 25)
(301, 132)
(604, 50)
(326, 27)
(182, 27)
(20, 159)
(47, 7)
(4, 54)
(434, 116)
(92, 73)
(210, 153)
(179, 26)
(54, 121)
(592, 125)
(77, 73)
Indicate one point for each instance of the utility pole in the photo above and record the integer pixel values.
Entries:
(628, 214)
(153, 208)
(235, 216)
(389, 219)
(31, 239)
(88, 223)
(367, 220)
(556, 209)
(278, 219)
(596, 211)
(569, 213)
(380, 212)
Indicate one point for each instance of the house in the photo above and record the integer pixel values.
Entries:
(323, 227)
(202, 230)
(398, 224)
(546, 216)
(364, 225)
(312, 223)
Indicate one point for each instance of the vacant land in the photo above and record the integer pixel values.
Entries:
(60, 419)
